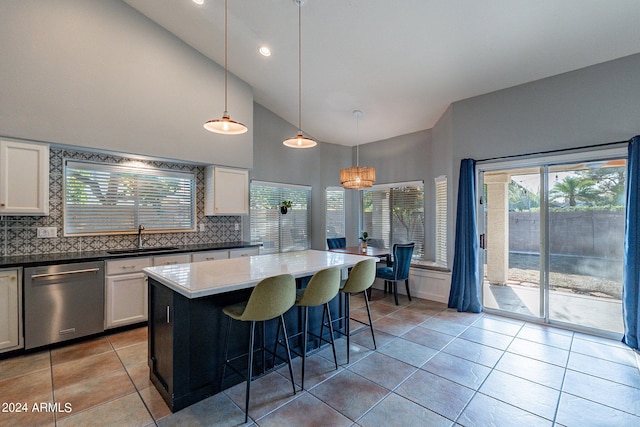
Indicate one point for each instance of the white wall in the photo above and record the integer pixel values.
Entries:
(99, 74)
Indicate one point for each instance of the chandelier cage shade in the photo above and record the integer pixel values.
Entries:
(299, 141)
(357, 177)
(225, 125)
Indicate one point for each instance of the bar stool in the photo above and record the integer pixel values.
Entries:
(361, 277)
(271, 298)
(322, 288)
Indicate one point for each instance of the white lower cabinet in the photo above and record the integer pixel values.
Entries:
(209, 255)
(10, 310)
(235, 253)
(126, 292)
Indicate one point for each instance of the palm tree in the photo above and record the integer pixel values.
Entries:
(573, 189)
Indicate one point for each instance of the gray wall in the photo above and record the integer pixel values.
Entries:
(318, 167)
(99, 74)
(593, 105)
(401, 159)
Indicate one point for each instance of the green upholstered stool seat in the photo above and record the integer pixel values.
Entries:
(270, 299)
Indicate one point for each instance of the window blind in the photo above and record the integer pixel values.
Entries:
(394, 213)
(109, 198)
(334, 215)
(441, 220)
(280, 232)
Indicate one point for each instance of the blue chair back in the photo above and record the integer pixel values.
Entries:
(402, 254)
(337, 242)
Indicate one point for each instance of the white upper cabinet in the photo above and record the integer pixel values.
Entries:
(226, 191)
(24, 178)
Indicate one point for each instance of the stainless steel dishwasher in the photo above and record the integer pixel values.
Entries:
(62, 302)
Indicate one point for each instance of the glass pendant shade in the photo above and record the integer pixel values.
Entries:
(299, 141)
(357, 177)
(225, 126)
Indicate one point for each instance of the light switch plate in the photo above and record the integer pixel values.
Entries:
(46, 232)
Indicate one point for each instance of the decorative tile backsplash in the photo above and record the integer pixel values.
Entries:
(18, 233)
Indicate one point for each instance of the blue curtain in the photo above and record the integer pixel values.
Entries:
(631, 281)
(465, 278)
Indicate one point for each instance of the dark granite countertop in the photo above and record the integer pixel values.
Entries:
(69, 257)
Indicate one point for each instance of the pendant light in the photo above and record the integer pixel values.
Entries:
(299, 141)
(357, 177)
(225, 125)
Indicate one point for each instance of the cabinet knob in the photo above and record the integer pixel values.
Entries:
(13, 278)
(1, 204)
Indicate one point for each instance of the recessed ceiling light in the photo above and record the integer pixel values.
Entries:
(200, 2)
(264, 51)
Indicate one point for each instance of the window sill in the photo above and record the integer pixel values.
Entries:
(428, 265)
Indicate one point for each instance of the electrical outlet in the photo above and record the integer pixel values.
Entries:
(46, 232)
(237, 226)
(201, 227)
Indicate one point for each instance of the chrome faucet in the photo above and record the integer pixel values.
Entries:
(140, 228)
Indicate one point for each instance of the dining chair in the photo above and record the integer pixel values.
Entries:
(399, 270)
(337, 242)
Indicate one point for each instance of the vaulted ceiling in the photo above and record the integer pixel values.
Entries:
(401, 62)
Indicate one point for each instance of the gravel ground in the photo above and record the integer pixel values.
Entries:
(574, 283)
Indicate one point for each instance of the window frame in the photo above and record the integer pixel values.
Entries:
(418, 253)
(137, 171)
(285, 238)
(326, 212)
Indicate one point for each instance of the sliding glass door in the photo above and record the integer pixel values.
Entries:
(553, 239)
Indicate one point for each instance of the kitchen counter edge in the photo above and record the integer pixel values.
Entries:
(70, 257)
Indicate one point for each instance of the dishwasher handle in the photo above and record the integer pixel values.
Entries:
(61, 273)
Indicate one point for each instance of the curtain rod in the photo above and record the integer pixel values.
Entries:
(559, 150)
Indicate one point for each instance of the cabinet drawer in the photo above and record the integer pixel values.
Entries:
(209, 255)
(171, 259)
(235, 253)
(127, 265)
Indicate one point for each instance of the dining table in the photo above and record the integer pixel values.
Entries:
(368, 251)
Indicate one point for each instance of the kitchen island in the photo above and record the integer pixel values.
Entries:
(187, 326)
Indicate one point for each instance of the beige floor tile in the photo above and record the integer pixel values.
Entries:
(33, 387)
(127, 338)
(78, 351)
(155, 404)
(305, 410)
(95, 391)
(139, 373)
(20, 365)
(267, 393)
(70, 373)
(29, 418)
(127, 411)
(133, 354)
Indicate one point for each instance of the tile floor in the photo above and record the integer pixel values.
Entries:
(433, 366)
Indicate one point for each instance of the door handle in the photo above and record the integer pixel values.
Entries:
(483, 241)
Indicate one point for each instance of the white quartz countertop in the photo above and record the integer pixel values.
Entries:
(199, 279)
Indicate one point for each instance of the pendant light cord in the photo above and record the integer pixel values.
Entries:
(299, 68)
(225, 56)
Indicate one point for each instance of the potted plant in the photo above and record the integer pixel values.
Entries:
(363, 241)
(285, 206)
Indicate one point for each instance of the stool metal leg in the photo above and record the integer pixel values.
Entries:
(250, 368)
(305, 340)
(226, 352)
(333, 344)
(286, 344)
(366, 301)
(347, 326)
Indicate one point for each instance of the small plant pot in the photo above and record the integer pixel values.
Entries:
(283, 210)
(363, 247)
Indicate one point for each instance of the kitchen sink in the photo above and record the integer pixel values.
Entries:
(141, 250)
